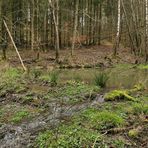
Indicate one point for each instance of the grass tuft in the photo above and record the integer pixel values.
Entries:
(101, 80)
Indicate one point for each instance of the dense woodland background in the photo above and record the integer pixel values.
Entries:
(44, 24)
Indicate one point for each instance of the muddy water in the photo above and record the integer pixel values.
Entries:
(118, 78)
(22, 136)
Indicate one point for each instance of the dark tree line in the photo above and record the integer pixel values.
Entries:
(43, 24)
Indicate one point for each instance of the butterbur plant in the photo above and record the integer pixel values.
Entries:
(101, 79)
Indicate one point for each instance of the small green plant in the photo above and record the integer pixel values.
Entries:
(120, 143)
(45, 78)
(43, 139)
(68, 136)
(139, 108)
(54, 77)
(101, 79)
(19, 116)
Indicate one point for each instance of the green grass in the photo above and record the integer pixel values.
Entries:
(12, 73)
(138, 108)
(11, 79)
(103, 119)
(19, 116)
(74, 92)
(67, 136)
(101, 79)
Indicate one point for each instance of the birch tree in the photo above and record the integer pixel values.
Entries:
(116, 46)
(75, 27)
(146, 30)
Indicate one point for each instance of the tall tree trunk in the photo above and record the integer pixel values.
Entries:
(32, 25)
(75, 26)
(128, 27)
(55, 12)
(100, 22)
(116, 46)
(146, 31)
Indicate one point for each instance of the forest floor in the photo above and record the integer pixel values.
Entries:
(84, 57)
(48, 108)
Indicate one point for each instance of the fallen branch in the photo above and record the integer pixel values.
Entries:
(25, 69)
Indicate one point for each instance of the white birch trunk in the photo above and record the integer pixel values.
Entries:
(146, 29)
(75, 27)
(118, 28)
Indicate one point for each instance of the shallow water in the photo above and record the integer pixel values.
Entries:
(118, 78)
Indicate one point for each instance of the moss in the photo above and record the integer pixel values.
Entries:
(118, 95)
(134, 133)
(137, 87)
(143, 66)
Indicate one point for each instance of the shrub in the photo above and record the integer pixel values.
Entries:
(101, 79)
